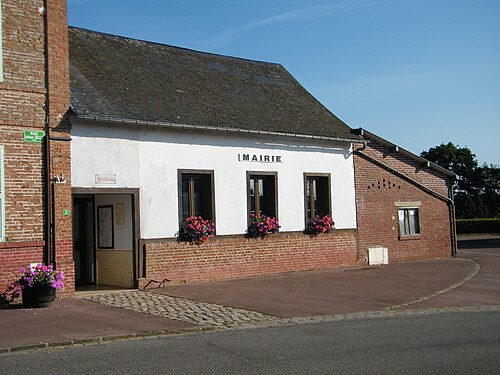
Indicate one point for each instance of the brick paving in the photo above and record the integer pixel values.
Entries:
(182, 309)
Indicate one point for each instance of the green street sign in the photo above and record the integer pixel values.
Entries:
(33, 136)
(66, 212)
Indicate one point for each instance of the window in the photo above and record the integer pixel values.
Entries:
(262, 193)
(317, 195)
(105, 227)
(2, 198)
(409, 222)
(196, 194)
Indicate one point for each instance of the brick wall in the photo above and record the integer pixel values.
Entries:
(230, 257)
(16, 255)
(377, 191)
(429, 177)
(114, 267)
(22, 96)
(22, 107)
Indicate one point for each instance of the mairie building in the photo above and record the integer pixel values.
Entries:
(108, 144)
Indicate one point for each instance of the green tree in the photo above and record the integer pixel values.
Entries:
(478, 191)
(491, 192)
(459, 160)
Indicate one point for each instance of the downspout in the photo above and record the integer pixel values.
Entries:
(453, 223)
(358, 251)
(48, 257)
(53, 186)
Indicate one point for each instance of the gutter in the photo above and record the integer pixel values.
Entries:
(119, 120)
(448, 200)
(366, 134)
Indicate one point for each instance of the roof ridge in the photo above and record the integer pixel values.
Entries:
(157, 82)
(177, 47)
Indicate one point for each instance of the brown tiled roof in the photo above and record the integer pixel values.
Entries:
(117, 77)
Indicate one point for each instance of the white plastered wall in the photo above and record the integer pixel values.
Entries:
(149, 158)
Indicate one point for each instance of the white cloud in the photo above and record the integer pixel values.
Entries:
(303, 14)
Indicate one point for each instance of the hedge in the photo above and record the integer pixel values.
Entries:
(478, 225)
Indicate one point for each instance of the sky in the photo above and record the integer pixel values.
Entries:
(415, 72)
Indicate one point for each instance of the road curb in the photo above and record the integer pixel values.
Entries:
(103, 339)
(471, 274)
(377, 314)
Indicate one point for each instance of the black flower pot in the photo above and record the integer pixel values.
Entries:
(38, 296)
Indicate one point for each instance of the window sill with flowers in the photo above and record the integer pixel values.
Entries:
(262, 225)
(196, 230)
(319, 224)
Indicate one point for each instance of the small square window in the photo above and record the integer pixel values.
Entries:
(409, 221)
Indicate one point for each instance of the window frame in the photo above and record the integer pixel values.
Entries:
(111, 217)
(251, 174)
(211, 174)
(306, 203)
(406, 209)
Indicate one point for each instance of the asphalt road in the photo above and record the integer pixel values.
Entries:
(453, 343)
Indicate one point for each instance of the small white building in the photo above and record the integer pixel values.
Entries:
(160, 133)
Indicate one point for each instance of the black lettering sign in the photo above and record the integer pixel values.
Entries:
(259, 158)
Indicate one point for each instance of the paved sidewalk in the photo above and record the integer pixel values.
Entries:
(76, 320)
(291, 298)
(331, 291)
(482, 290)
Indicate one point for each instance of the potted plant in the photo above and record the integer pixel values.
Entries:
(39, 284)
(262, 225)
(197, 230)
(319, 224)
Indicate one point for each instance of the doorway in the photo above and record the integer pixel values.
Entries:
(83, 240)
(105, 236)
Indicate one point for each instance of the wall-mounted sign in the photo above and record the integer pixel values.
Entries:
(33, 136)
(260, 158)
(105, 179)
(119, 214)
(66, 212)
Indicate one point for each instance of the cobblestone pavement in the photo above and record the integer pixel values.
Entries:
(219, 316)
(182, 309)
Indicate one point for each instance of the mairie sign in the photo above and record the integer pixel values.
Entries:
(258, 158)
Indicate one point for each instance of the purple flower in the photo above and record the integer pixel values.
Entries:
(319, 224)
(41, 275)
(262, 225)
(196, 229)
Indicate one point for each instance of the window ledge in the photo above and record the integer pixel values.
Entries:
(410, 237)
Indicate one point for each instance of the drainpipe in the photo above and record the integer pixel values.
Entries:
(53, 255)
(48, 257)
(358, 250)
(453, 223)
